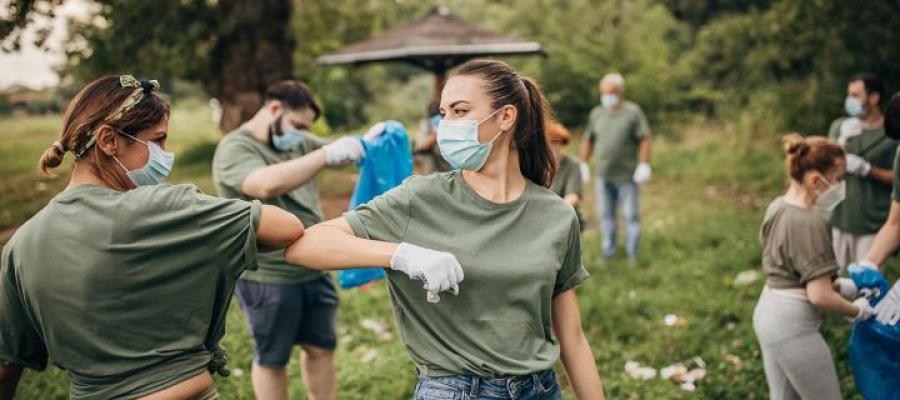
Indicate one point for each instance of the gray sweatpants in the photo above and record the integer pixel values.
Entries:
(796, 358)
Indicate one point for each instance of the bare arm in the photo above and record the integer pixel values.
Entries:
(644, 151)
(331, 245)
(9, 380)
(277, 228)
(573, 199)
(575, 352)
(823, 297)
(881, 175)
(587, 148)
(277, 179)
(888, 239)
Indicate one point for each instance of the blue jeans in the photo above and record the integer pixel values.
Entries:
(610, 196)
(537, 386)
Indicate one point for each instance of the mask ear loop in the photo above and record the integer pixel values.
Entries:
(489, 117)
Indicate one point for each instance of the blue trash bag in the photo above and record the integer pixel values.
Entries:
(387, 163)
(875, 347)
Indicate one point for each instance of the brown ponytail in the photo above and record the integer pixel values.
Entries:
(813, 153)
(95, 105)
(506, 87)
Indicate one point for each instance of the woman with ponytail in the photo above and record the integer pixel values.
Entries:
(801, 269)
(121, 281)
(518, 243)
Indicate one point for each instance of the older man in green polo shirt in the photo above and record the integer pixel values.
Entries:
(870, 158)
(618, 133)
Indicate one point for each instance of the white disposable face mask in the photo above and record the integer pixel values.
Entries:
(831, 197)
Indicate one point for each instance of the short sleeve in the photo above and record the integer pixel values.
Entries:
(20, 342)
(232, 163)
(385, 217)
(643, 128)
(811, 252)
(834, 131)
(229, 227)
(572, 272)
(895, 193)
(573, 183)
(589, 127)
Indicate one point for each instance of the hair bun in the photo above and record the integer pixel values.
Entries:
(795, 145)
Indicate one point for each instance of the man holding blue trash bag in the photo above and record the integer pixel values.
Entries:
(274, 158)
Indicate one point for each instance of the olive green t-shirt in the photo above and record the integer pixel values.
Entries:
(896, 193)
(568, 180)
(126, 291)
(516, 257)
(240, 153)
(796, 246)
(617, 136)
(866, 206)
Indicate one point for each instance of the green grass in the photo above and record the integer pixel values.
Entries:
(700, 215)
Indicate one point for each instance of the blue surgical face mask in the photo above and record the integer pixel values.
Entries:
(609, 100)
(288, 140)
(459, 144)
(159, 165)
(854, 107)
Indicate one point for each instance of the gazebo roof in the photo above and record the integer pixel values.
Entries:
(438, 41)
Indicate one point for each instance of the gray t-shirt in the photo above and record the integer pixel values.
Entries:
(617, 136)
(516, 256)
(796, 246)
(126, 291)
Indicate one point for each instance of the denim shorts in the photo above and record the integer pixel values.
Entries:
(284, 315)
(537, 386)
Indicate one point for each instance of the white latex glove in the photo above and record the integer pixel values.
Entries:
(857, 165)
(846, 287)
(865, 310)
(887, 311)
(374, 131)
(345, 149)
(585, 172)
(642, 173)
(439, 270)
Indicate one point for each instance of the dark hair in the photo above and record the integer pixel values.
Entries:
(872, 83)
(295, 95)
(92, 107)
(892, 117)
(814, 153)
(506, 87)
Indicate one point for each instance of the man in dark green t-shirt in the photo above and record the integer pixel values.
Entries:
(618, 134)
(274, 158)
(870, 158)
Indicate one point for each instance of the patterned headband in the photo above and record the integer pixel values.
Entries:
(140, 91)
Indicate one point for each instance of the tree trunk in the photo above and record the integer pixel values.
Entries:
(254, 49)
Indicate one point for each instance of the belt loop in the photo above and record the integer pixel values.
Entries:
(473, 389)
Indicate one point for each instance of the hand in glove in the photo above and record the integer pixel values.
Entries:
(857, 165)
(887, 311)
(642, 173)
(585, 172)
(865, 310)
(846, 287)
(439, 270)
(345, 149)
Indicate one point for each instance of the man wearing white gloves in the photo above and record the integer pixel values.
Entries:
(887, 242)
(274, 158)
(618, 133)
(870, 156)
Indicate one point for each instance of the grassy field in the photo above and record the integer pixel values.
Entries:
(701, 214)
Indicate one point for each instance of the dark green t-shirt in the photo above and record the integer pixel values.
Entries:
(126, 291)
(617, 136)
(896, 193)
(796, 246)
(568, 181)
(240, 153)
(516, 256)
(866, 206)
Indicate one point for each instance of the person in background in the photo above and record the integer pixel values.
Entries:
(426, 149)
(274, 158)
(618, 133)
(517, 241)
(119, 280)
(567, 182)
(870, 157)
(887, 241)
(801, 268)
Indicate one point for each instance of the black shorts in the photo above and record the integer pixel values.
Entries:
(283, 315)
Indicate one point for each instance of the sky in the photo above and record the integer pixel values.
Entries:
(33, 67)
